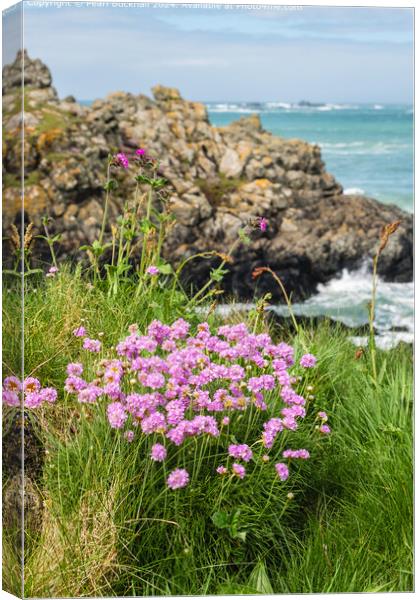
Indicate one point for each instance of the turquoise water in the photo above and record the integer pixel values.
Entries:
(368, 148)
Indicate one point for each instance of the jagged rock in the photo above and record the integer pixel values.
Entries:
(220, 180)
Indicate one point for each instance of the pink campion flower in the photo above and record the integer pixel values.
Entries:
(79, 331)
(221, 470)
(263, 223)
(324, 429)
(10, 398)
(92, 345)
(31, 384)
(158, 453)
(178, 478)
(74, 369)
(302, 453)
(122, 159)
(116, 415)
(48, 395)
(238, 470)
(308, 361)
(282, 471)
(12, 384)
(152, 270)
(129, 435)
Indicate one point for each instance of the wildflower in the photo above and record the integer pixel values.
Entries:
(129, 435)
(324, 429)
(242, 451)
(140, 152)
(74, 369)
(158, 453)
(79, 331)
(222, 470)
(302, 453)
(290, 496)
(282, 471)
(90, 394)
(32, 400)
(31, 384)
(323, 415)
(263, 223)
(178, 478)
(122, 160)
(12, 384)
(265, 458)
(52, 271)
(10, 398)
(92, 345)
(308, 361)
(152, 270)
(48, 395)
(225, 421)
(116, 415)
(238, 470)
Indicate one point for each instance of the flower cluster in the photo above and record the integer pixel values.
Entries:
(172, 386)
(33, 394)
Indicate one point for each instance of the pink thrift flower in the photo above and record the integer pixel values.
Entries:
(308, 361)
(79, 331)
(33, 400)
(12, 384)
(178, 478)
(10, 398)
(324, 429)
(221, 470)
(158, 453)
(323, 415)
(263, 223)
(116, 415)
(225, 421)
(31, 384)
(238, 470)
(129, 435)
(52, 271)
(122, 160)
(48, 395)
(152, 270)
(265, 458)
(74, 369)
(302, 453)
(282, 471)
(241, 451)
(92, 345)
(140, 151)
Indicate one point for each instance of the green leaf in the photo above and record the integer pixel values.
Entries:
(165, 269)
(244, 237)
(111, 184)
(221, 519)
(259, 580)
(218, 274)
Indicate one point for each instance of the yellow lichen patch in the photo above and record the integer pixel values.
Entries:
(263, 184)
(47, 138)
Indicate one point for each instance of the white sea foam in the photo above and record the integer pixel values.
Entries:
(354, 190)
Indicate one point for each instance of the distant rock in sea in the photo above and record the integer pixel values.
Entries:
(220, 179)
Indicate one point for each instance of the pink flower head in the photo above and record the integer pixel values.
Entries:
(48, 395)
(92, 345)
(263, 223)
(129, 435)
(324, 429)
(178, 478)
(221, 470)
(140, 151)
(116, 415)
(74, 369)
(10, 398)
(238, 470)
(282, 471)
(225, 421)
(12, 384)
(152, 270)
(302, 453)
(241, 451)
(308, 361)
(32, 400)
(158, 453)
(323, 415)
(122, 160)
(31, 384)
(79, 331)
(52, 271)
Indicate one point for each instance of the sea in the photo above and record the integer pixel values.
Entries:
(369, 150)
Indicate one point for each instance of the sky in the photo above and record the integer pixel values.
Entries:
(320, 54)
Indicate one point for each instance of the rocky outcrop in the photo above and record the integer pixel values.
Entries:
(220, 179)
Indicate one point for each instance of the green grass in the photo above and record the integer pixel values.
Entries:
(108, 528)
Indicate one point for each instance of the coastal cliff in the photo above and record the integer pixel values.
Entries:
(220, 179)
